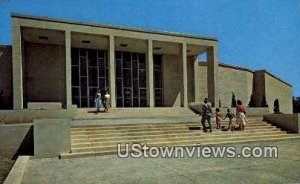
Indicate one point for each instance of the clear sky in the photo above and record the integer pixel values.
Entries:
(257, 34)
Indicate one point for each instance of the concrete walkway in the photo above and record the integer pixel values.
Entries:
(111, 169)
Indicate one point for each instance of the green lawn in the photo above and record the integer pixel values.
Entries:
(5, 165)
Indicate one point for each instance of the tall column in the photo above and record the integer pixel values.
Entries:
(68, 69)
(184, 75)
(150, 75)
(112, 73)
(17, 67)
(212, 74)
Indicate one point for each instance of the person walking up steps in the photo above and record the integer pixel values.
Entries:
(218, 118)
(230, 116)
(240, 117)
(206, 115)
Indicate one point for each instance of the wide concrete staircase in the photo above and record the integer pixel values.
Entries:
(91, 140)
(90, 114)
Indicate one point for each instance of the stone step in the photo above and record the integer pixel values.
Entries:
(148, 128)
(147, 132)
(111, 152)
(158, 125)
(170, 138)
(168, 134)
(89, 113)
(179, 142)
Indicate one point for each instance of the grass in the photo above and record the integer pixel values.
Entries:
(6, 163)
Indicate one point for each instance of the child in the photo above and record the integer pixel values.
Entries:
(218, 118)
(230, 116)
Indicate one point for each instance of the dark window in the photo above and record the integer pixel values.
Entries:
(101, 54)
(119, 88)
(75, 56)
(75, 92)
(126, 60)
(127, 78)
(92, 57)
(82, 52)
(127, 102)
(75, 76)
(84, 102)
(83, 85)
(120, 102)
(142, 76)
(118, 55)
(93, 77)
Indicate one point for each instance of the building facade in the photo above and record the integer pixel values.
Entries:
(66, 62)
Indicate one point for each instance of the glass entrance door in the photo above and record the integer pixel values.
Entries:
(89, 73)
(131, 79)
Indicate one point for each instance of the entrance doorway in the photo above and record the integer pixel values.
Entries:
(89, 73)
(131, 79)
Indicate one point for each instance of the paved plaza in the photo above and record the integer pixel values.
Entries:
(111, 169)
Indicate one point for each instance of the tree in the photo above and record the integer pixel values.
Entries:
(233, 100)
(276, 107)
(296, 104)
(264, 102)
(251, 103)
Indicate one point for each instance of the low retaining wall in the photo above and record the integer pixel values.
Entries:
(289, 122)
(44, 105)
(16, 174)
(16, 139)
(27, 115)
(51, 137)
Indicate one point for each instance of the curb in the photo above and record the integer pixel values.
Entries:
(16, 174)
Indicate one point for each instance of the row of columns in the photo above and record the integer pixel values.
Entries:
(18, 76)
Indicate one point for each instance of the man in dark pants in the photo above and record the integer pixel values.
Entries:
(206, 114)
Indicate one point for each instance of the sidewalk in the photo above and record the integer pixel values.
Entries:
(111, 169)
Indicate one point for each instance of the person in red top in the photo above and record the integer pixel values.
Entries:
(240, 115)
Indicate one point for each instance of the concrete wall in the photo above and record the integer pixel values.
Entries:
(5, 77)
(51, 137)
(275, 89)
(25, 116)
(16, 140)
(238, 81)
(17, 173)
(44, 72)
(191, 80)
(289, 122)
(172, 80)
(243, 83)
(201, 90)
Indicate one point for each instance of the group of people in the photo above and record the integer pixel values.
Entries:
(240, 116)
(102, 102)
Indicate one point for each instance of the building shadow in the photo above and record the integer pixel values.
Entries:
(27, 146)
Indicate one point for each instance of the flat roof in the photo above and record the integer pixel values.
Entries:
(44, 18)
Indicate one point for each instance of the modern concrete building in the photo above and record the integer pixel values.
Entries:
(61, 63)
